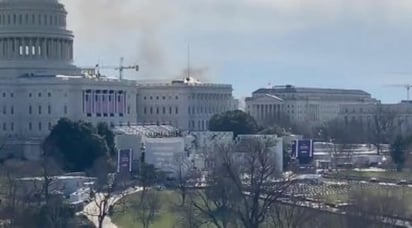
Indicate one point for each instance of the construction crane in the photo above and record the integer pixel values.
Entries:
(407, 86)
(121, 68)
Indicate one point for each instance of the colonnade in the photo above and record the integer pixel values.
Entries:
(36, 48)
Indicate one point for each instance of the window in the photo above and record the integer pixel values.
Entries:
(157, 98)
(170, 110)
(157, 110)
(128, 109)
(177, 97)
(39, 94)
(4, 94)
(4, 110)
(12, 110)
(40, 127)
(49, 94)
(177, 110)
(144, 98)
(30, 126)
(164, 110)
(30, 95)
(145, 110)
(151, 110)
(12, 126)
(49, 109)
(30, 110)
(39, 110)
(151, 98)
(164, 98)
(65, 109)
(11, 94)
(50, 126)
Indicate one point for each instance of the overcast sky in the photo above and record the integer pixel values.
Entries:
(363, 44)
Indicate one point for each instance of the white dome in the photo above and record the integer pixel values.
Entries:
(34, 38)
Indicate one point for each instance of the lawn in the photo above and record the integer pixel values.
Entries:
(406, 175)
(166, 218)
(169, 213)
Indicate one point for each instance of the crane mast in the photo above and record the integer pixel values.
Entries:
(121, 68)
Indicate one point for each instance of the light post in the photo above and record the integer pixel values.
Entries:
(142, 157)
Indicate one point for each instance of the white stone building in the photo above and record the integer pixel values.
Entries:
(398, 116)
(39, 83)
(312, 106)
(187, 104)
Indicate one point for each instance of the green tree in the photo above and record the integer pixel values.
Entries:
(75, 145)
(398, 152)
(104, 130)
(236, 121)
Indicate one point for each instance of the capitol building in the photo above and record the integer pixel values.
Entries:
(39, 84)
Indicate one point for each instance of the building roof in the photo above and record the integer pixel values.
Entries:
(293, 89)
(270, 96)
(150, 131)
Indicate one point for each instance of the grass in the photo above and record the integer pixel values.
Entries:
(407, 175)
(167, 216)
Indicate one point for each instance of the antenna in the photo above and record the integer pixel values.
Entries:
(188, 60)
(121, 68)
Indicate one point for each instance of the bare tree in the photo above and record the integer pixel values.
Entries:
(147, 208)
(383, 126)
(291, 215)
(244, 185)
(190, 217)
(186, 173)
(107, 189)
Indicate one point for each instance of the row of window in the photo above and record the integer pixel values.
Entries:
(198, 96)
(158, 97)
(49, 109)
(204, 109)
(158, 110)
(40, 94)
(5, 95)
(207, 96)
(202, 125)
(40, 126)
(32, 19)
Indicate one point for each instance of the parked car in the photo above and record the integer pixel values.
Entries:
(374, 180)
(402, 182)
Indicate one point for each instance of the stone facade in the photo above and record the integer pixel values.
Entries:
(312, 106)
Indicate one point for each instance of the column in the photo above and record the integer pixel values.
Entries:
(31, 47)
(52, 49)
(16, 48)
(58, 49)
(71, 50)
(8, 48)
(64, 50)
(37, 47)
(44, 48)
(1, 48)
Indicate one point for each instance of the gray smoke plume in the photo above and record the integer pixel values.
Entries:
(124, 25)
(201, 73)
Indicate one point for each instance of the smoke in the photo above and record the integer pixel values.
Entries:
(123, 27)
(203, 74)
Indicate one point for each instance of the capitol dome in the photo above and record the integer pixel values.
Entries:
(34, 39)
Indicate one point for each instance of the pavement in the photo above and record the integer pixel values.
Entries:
(91, 210)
